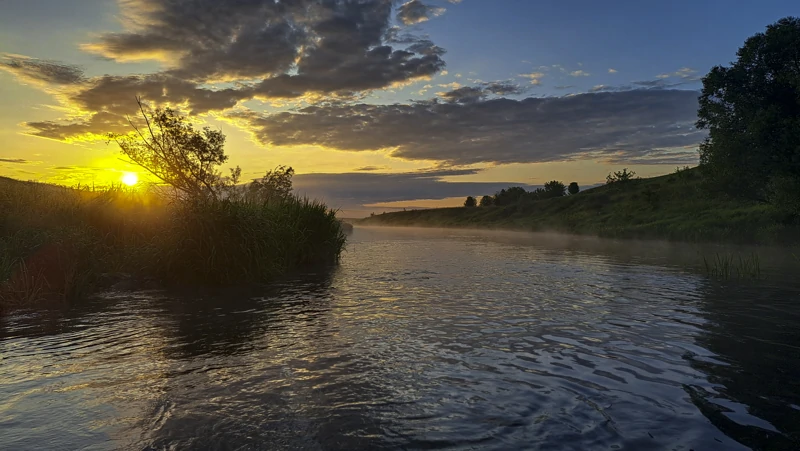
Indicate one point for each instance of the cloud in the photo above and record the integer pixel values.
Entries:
(579, 73)
(601, 88)
(217, 54)
(415, 11)
(466, 94)
(41, 71)
(612, 71)
(106, 102)
(13, 160)
(685, 73)
(502, 88)
(470, 94)
(370, 168)
(672, 157)
(686, 77)
(93, 128)
(499, 130)
(330, 53)
(352, 189)
(424, 90)
(295, 47)
(535, 77)
(653, 84)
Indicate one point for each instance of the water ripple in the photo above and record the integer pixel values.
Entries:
(420, 340)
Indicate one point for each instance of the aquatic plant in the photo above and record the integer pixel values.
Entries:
(726, 266)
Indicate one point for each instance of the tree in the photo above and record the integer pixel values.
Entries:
(470, 202)
(275, 184)
(486, 201)
(509, 196)
(554, 189)
(168, 147)
(784, 193)
(752, 113)
(538, 194)
(620, 176)
(574, 188)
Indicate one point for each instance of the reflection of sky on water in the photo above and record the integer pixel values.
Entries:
(421, 339)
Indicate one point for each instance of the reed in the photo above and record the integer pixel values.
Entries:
(727, 266)
(58, 243)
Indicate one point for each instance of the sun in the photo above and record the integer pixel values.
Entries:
(130, 178)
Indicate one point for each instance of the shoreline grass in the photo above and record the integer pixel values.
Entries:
(727, 266)
(59, 243)
(673, 207)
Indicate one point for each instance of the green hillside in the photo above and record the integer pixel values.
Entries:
(673, 207)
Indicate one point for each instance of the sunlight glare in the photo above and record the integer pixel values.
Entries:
(130, 178)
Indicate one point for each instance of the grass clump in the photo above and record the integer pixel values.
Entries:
(727, 266)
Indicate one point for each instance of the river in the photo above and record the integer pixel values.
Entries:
(423, 339)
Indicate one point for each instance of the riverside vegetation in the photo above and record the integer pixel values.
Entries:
(745, 190)
(674, 207)
(195, 227)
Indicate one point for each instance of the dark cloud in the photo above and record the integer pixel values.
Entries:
(210, 38)
(681, 77)
(112, 99)
(98, 124)
(681, 157)
(259, 48)
(293, 46)
(466, 94)
(660, 83)
(627, 125)
(354, 189)
(48, 72)
(502, 88)
(415, 11)
(378, 67)
(370, 168)
(115, 94)
(13, 160)
(470, 94)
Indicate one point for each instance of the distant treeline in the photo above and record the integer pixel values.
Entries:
(552, 189)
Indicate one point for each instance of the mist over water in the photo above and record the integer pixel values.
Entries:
(424, 339)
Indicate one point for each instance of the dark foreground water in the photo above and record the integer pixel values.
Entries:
(421, 340)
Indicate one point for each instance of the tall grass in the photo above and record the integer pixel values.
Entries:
(726, 266)
(59, 243)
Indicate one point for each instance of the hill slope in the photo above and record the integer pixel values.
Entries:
(672, 207)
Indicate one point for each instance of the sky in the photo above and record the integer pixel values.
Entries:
(376, 104)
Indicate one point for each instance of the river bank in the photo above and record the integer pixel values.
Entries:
(674, 207)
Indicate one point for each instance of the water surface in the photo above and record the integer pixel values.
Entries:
(423, 339)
